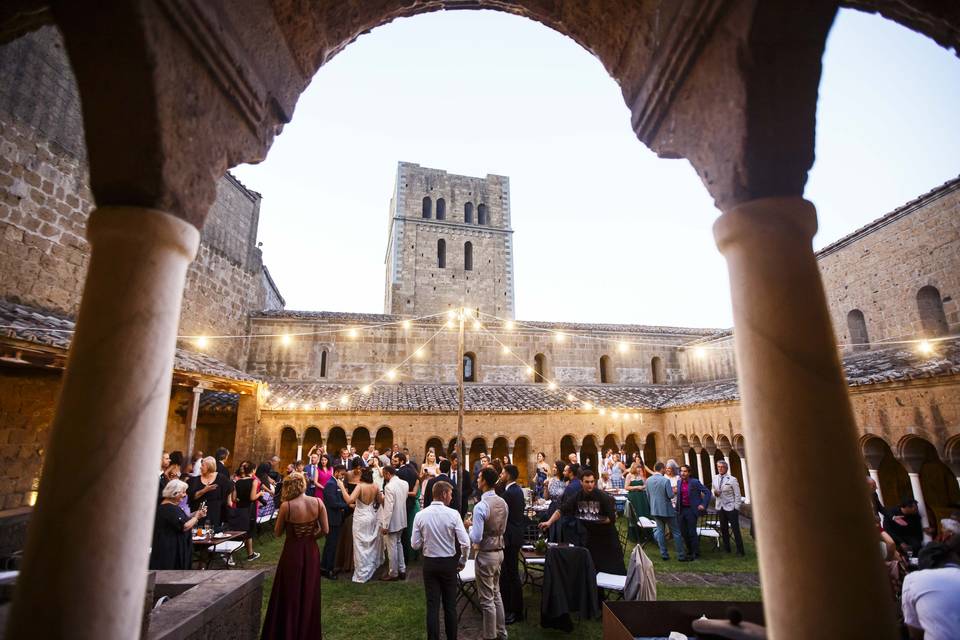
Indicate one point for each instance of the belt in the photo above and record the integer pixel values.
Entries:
(489, 550)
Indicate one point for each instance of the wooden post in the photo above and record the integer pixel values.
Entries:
(463, 456)
(194, 412)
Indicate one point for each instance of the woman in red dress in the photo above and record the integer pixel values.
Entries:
(294, 609)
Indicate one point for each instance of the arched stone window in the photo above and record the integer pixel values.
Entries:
(441, 209)
(657, 373)
(468, 256)
(442, 253)
(606, 371)
(323, 363)
(469, 367)
(933, 321)
(427, 207)
(482, 214)
(468, 213)
(539, 368)
(857, 327)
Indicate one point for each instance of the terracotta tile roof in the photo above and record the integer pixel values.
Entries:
(52, 329)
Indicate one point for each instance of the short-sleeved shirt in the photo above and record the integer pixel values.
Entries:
(931, 601)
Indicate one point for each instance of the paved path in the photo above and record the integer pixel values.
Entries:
(688, 579)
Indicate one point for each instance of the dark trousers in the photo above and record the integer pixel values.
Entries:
(511, 587)
(330, 549)
(688, 529)
(730, 519)
(405, 538)
(440, 583)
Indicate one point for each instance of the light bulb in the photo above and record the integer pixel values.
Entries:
(286, 339)
(391, 374)
(365, 390)
(420, 353)
(552, 386)
(476, 325)
(352, 333)
(323, 406)
(344, 399)
(450, 324)
(570, 397)
(266, 393)
(508, 325)
(587, 406)
(623, 347)
(530, 371)
(406, 325)
(559, 337)
(452, 314)
(602, 411)
(202, 342)
(616, 415)
(306, 406)
(506, 350)
(925, 347)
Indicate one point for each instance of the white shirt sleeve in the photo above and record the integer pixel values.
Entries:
(416, 538)
(476, 529)
(908, 601)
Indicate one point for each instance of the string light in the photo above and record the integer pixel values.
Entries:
(365, 390)
(420, 353)
(202, 342)
(587, 406)
(559, 337)
(406, 325)
(530, 370)
(699, 353)
(925, 347)
(285, 340)
(324, 405)
(451, 314)
(391, 374)
(477, 325)
(570, 397)
(306, 406)
(506, 350)
(623, 347)
(352, 333)
(602, 411)
(508, 325)
(615, 415)
(450, 324)
(552, 386)
(344, 400)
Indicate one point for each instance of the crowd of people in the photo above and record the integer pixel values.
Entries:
(923, 567)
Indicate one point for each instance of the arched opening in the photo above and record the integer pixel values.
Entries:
(311, 438)
(694, 463)
(673, 449)
(589, 453)
(441, 209)
(631, 447)
(469, 367)
(933, 321)
(468, 213)
(436, 444)
(941, 494)
(323, 363)
(567, 446)
(482, 214)
(384, 439)
(606, 370)
(733, 459)
(706, 469)
(857, 328)
(893, 482)
(477, 447)
(656, 370)
(539, 368)
(650, 450)
(468, 256)
(442, 253)
(360, 439)
(336, 440)
(288, 448)
(500, 449)
(610, 442)
(521, 458)
(427, 207)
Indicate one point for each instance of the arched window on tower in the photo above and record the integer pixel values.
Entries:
(441, 209)
(427, 207)
(857, 327)
(933, 321)
(656, 370)
(442, 253)
(469, 367)
(539, 368)
(468, 256)
(323, 364)
(468, 213)
(481, 214)
(606, 373)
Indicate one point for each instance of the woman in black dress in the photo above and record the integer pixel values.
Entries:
(171, 530)
(213, 489)
(247, 491)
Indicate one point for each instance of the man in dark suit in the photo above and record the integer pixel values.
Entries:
(443, 477)
(692, 500)
(336, 512)
(466, 490)
(511, 588)
(905, 526)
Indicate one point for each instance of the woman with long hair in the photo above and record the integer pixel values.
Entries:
(541, 473)
(294, 609)
(324, 473)
(635, 484)
(367, 542)
(247, 493)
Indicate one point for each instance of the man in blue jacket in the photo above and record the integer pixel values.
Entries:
(660, 493)
(692, 500)
(336, 514)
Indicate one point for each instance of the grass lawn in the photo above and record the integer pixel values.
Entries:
(397, 609)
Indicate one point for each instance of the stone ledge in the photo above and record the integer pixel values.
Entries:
(204, 603)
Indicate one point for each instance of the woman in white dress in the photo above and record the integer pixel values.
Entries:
(367, 543)
(431, 466)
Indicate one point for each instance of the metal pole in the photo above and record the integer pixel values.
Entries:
(463, 455)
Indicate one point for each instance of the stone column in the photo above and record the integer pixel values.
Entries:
(300, 447)
(794, 398)
(713, 463)
(918, 496)
(875, 474)
(580, 454)
(510, 453)
(686, 457)
(746, 482)
(124, 342)
(194, 412)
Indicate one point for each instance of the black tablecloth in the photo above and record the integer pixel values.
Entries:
(569, 585)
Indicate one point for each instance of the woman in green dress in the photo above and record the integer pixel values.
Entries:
(636, 488)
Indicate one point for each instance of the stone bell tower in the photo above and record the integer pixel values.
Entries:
(449, 243)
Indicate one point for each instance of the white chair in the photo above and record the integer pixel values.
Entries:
(611, 582)
(224, 551)
(647, 526)
(467, 587)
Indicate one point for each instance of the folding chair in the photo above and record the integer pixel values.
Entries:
(611, 583)
(467, 587)
(224, 551)
(647, 527)
(532, 568)
(709, 527)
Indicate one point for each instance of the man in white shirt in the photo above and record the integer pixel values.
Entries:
(439, 532)
(487, 527)
(931, 597)
(726, 489)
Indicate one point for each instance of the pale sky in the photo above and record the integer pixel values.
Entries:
(604, 230)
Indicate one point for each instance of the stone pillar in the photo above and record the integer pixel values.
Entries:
(124, 341)
(300, 447)
(794, 398)
(746, 482)
(686, 457)
(713, 463)
(875, 474)
(192, 427)
(510, 453)
(580, 454)
(918, 496)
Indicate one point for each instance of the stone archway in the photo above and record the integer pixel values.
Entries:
(521, 458)
(501, 448)
(589, 452)
(478, 446)
(938, 490)
(568, 445)
(311, 438)
(384, 439)
(336, 440)
(360, 440)
(289, 442)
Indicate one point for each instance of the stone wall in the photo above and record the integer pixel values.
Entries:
(45, 201)
(880, 268)
(27, 404)
(376, 350)
(415, 284)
